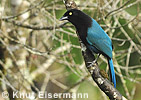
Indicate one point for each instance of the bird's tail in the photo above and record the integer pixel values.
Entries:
(112, 72)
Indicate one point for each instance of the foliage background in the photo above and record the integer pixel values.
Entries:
(40, 53)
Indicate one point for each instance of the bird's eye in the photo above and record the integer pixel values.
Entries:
(70, 13)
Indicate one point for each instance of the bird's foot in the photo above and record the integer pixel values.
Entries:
(92, 63)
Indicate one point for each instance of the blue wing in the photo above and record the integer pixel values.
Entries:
(99, 39)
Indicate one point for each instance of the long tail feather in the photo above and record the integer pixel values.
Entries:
(112, 72)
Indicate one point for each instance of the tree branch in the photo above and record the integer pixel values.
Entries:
(36, 27)
(117, 9)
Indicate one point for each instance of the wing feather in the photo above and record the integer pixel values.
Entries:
(99, 39)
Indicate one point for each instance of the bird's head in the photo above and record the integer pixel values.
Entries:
(77, 18)
(71, 15)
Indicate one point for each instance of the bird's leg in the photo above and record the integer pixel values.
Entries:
(93, 62)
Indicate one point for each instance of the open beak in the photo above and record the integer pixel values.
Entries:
(64, 18)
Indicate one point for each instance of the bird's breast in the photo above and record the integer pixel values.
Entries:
(82, 30)
(82, 35)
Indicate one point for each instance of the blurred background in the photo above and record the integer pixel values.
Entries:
(40, 53)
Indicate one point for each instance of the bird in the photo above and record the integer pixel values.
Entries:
(92, 36)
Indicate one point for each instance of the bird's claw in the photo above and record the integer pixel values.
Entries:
(92, 63)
